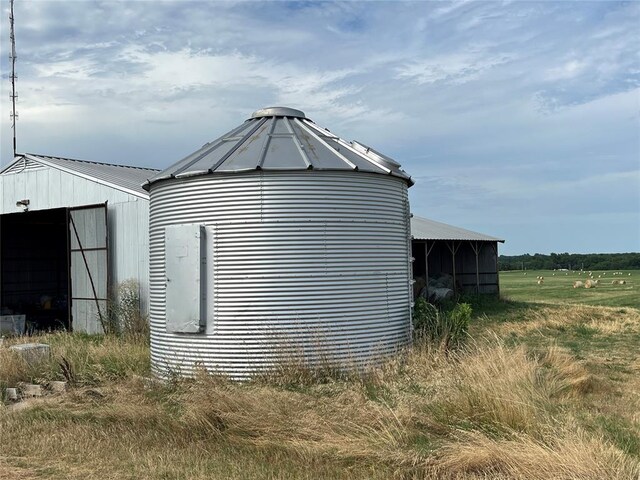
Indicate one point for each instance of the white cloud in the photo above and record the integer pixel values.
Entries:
(456, 68)
(447, 8)
(568, 70)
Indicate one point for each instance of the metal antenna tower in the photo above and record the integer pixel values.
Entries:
(14, 95)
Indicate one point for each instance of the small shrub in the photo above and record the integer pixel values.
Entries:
(457, 324)
(425, 316)
(446, 328)
(124, 316)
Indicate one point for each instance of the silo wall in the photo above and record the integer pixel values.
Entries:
(309, 266)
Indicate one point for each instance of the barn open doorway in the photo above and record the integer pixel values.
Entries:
(54, 268)
(34, 268)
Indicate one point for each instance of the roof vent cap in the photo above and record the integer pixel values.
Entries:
(278, 112)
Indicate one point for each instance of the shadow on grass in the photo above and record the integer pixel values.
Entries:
(496, 309)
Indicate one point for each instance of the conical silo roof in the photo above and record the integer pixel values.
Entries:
(280, 139)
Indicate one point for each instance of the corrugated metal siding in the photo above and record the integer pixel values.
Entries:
(314, 262)
(52, 188)
(128, 224)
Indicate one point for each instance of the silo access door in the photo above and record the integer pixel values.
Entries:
(88, 252)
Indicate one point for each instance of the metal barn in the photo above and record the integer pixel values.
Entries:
(70, 230)
(451, 257)
(279, 239)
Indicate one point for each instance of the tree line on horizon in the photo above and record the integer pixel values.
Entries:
(571, 261)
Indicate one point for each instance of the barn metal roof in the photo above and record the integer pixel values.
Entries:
(425, 229)
(280, 139)
(121, 177)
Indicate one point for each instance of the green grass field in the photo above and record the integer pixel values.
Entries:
(558, 288)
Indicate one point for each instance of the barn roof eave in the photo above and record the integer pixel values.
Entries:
(56, 162)
(427, 229)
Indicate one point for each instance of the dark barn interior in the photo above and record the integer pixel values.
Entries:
(451, 260)
(467, 276)
(34, 268)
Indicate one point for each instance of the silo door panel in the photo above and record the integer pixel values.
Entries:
(88, 267)
(185, 278)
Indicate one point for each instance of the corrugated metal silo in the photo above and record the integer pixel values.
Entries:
(278, 240)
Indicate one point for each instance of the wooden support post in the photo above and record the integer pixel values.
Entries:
(426, 271)
(476, 249)
(453, 248)
(494, 247)
(427, 251)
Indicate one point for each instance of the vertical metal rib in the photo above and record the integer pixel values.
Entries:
(246, 137)
(325, 144)
(265, 145)
(348, 147)
(206, 152)
(298, 144)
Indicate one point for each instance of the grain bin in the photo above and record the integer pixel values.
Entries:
(278, 241)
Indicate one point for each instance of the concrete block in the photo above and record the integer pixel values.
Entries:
(33, 353)
(58, 386)
(12, 394)
(31, 390)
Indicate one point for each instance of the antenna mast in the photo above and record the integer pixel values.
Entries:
(14, 95)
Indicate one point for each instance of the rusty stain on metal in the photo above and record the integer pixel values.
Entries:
(252, 139)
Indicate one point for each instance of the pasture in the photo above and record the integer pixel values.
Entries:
(557, 287)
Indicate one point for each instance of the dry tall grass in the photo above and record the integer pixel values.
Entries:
(489, 410)
(604, 320)
(568, 455)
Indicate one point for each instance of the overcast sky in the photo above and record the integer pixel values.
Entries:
(516, 119)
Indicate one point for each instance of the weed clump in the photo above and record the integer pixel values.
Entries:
(124, 315)
(446, 328)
